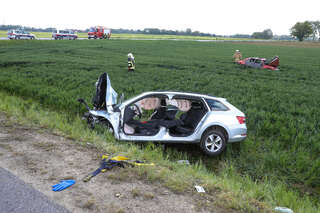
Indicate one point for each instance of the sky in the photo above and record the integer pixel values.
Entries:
(222, 17)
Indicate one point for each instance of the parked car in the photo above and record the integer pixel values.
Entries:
(261, 63)
(64, 34)
(20, 34)
(99, 32)
(168, 116)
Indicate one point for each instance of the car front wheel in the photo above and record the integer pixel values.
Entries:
(213, 142)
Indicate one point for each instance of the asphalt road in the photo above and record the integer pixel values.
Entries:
(17, 196)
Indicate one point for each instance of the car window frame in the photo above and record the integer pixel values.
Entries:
(216, 110)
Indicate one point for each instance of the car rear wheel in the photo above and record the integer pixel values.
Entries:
(213, 142)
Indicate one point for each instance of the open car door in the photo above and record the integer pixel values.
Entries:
(104, 102)
(106, 96)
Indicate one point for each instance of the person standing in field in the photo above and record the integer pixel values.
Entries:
(131, 62)
(237, 56)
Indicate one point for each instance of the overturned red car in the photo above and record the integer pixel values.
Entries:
(261, 63)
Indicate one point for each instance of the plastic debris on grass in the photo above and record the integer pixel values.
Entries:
(283, 209)
(63, 185)
(199, 189)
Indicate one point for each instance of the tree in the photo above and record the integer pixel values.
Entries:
(266, 34)
(301, 30)
(316, 29)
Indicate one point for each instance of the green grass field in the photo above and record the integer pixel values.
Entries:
(282, 107)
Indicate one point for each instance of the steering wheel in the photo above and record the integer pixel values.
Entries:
(137, 111)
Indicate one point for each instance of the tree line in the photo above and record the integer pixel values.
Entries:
(33, 29)
(301, 31)
(156, 31)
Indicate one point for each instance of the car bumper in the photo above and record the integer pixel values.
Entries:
(237, 133)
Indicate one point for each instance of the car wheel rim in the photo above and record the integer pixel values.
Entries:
(213, 143)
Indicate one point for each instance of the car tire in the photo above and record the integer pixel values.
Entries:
(108, 126)
(104, 122)
(95, 37)
(213, 142)
(17, 37)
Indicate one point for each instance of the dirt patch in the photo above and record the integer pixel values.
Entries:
(41, 159)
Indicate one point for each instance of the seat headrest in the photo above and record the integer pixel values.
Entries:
(182, 104)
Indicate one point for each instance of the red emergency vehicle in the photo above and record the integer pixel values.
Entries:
(99, 32)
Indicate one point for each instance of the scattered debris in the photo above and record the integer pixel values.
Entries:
(63, 185)
(108, 162)
(119, 195)
(199, 188)
(283, 209)
(139, 163)
(186, 162)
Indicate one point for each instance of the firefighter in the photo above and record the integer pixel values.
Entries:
(131, 62)
(237, 56)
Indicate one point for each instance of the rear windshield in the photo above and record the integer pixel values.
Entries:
(216, 105)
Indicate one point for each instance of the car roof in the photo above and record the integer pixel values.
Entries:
(182, 94)
(128, 101)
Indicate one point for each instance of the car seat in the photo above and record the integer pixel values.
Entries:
(190, 119)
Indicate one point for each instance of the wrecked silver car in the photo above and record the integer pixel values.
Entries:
(167, 116)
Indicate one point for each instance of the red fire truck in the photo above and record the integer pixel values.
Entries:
(99, 32)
